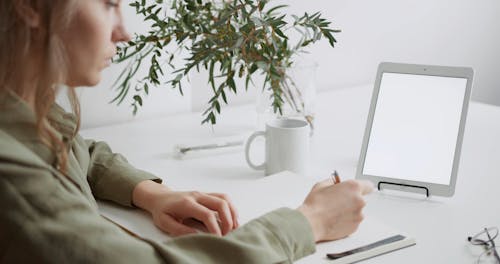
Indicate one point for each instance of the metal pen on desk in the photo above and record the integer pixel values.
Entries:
(335, 177)
(185, 149)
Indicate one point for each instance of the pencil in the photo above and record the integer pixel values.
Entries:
(335, 177)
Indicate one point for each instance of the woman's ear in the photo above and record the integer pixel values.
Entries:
(27, 11)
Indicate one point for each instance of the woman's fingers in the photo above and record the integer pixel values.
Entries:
(366, 186)
(207, 216)
(171, 226)
(323, 184)
(220, 206)
(232, 208)
(214, 211)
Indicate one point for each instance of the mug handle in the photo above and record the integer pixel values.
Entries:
(247, 151)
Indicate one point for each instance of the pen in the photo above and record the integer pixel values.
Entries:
(335, 177)
(185, 149)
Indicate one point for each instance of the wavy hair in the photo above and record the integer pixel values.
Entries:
(41, 47)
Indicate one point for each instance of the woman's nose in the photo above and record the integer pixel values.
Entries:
(120, 34)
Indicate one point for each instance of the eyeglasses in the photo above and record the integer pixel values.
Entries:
(486, 239)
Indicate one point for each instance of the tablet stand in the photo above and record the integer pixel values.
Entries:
(405, 185)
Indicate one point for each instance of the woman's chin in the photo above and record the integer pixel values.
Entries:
(94, 82)
(89, 81)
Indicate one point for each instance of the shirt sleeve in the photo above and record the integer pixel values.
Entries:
(46, 221)
(110, 176)
(281, 236)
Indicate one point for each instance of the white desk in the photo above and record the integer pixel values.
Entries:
(440, 225)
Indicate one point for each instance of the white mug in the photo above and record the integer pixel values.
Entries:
(287, 146)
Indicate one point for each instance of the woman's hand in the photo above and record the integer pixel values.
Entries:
(172, 209)
(335, 211)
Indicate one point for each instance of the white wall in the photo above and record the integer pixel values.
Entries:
(441, 32)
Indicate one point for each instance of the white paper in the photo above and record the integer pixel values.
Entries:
(254, 198)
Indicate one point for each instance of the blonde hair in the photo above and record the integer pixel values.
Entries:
(42, 46)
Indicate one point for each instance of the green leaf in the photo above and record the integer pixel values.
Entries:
(231, 84)
(223, 94)
(253, 68)
(217, 106)
(280, 33)
(212, 118)
(270, 11)
(138, 99)
(247, 81)
(262, 4)
(211, 79)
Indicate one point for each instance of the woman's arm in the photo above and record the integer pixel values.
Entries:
(110, 176)
(44, 221)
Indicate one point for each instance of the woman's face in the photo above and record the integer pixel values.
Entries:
(91, 38)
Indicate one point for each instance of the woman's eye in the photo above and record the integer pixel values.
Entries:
(112, 4)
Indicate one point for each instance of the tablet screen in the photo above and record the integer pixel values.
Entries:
(415, 127)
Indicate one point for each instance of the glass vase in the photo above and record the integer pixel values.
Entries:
(299, 96)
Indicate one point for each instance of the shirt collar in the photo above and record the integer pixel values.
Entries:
(65, 123)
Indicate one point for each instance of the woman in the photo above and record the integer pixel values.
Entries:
(50, 176)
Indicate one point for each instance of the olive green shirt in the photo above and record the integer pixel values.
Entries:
(47, 217)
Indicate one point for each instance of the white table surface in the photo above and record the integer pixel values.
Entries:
(440, 225)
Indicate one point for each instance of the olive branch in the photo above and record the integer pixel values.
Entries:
(229, 39)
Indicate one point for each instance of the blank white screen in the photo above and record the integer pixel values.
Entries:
(415, 127)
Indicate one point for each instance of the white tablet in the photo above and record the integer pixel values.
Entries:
(415, 127)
